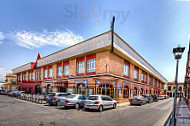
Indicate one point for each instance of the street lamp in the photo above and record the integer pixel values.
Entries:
(178, 54)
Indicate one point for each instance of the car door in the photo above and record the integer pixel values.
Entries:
(104, 101)
(109, 102)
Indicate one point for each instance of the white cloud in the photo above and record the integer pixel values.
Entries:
(30, 39)
(3, 72)
(2, 37)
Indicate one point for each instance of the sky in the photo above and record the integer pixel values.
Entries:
(152, 27)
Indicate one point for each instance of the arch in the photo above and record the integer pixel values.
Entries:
(135, 91)
(80, 88)
(38, 89)
(106, 88)
(126, 91)
(142, 91)
(180, 88)
(146, 91)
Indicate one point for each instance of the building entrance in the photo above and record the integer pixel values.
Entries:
(106, 89)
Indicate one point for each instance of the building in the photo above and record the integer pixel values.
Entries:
(2, 85)
(171, 89)
(187, 79)
(90, 68)
(11, 82)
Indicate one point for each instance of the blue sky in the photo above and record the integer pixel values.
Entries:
(151, 27)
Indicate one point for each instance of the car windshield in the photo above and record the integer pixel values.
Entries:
(136, 97)
(71, 96)
(93, 98)
(62, 95)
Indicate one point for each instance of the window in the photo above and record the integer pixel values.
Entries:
(150, 80)
(18, 77)
(80, 67)
(24, 76)
(136, 74)
(29, 76)
(45, 73)
(32, 75)
(66, 69)
(126, 70)
(59, 71)
(91, 65)
(142, 77)
(38, 74)
(169, 88)
(145, 78)
(50, 72)
(155, 83)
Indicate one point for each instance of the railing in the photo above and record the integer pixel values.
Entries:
(37, 98)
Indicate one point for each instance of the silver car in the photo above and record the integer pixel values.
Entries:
(74, 100)
(99, 102)
(138, 100)
(52, 98)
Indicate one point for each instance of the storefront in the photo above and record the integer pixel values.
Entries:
(106, 87)
(126, 90)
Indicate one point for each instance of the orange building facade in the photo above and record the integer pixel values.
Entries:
(90, 68)
(11, 82)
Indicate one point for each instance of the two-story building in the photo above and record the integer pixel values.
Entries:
(90, 68)
(171, 89)
(11, 82)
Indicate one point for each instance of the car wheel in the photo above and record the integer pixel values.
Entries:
(77, 106)
(114, 106)
(50, 104)
(100, 108)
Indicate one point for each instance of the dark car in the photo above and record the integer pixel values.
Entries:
(138, 100)
(155, 97)
(148, 98)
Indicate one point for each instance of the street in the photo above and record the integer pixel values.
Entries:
(16, 112)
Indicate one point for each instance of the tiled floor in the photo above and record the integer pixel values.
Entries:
(182, 114)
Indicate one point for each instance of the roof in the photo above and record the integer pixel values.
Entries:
(98, 42)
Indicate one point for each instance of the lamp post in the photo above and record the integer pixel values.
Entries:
(178, 54)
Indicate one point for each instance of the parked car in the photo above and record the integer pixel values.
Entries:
(166, 96)
(161, 97)
(10, 93)
(74, 100)
(99, 102)
(17, 93)
(138, 100)
(2, 92)
(148, 98)
(155, 97)
(7, 92)
(52, 98)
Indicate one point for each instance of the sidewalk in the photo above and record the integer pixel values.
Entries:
(182, 114)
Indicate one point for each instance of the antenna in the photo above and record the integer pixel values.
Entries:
(112, 36)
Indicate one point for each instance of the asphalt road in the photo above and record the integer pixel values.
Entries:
(16, 112)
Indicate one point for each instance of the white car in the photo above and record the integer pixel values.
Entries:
(161, 97)
(99, 102)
